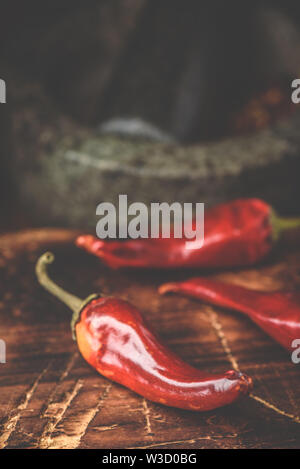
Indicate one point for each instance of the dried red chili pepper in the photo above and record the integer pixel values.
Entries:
(277, 312)
(114, 339)
(237, 233)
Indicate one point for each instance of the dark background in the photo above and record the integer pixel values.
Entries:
(191, 68)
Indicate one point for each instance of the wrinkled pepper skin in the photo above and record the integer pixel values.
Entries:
(114, 339)
(238, 233)
(277, 313)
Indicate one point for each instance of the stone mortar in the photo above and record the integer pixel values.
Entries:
(62, 171)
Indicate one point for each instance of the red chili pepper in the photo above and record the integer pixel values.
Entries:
(277, 313)
(237, 233)
(114, 339)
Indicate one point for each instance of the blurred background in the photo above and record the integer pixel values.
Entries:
(173, 100)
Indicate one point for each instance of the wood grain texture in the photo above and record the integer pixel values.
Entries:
(51, 398)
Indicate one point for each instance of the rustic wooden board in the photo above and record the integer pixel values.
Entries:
(50, 398)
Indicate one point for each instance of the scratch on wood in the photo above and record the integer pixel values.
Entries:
(219, 330)
(178, 442)
(64, 374)
(273, 407)
(146, 412)
(106, 428)
(72, 441)
(287, 389)
(220, 333)
(56, 411)
(69, 366)
(14, 416)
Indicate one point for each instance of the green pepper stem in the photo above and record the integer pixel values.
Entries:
(73, 302)
(280, 224)
(288, 223)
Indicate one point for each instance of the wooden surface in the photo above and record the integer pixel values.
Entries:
(51, 398)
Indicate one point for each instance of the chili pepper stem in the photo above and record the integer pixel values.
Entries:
(73, 302)
(281, 224)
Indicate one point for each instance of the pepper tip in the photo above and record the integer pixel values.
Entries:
(80, 240)
(89, 242)
(166, 288)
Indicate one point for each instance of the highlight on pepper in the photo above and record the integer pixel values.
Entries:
(114, 338)
(237, 233)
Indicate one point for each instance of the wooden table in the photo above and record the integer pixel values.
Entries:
(51, 398)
